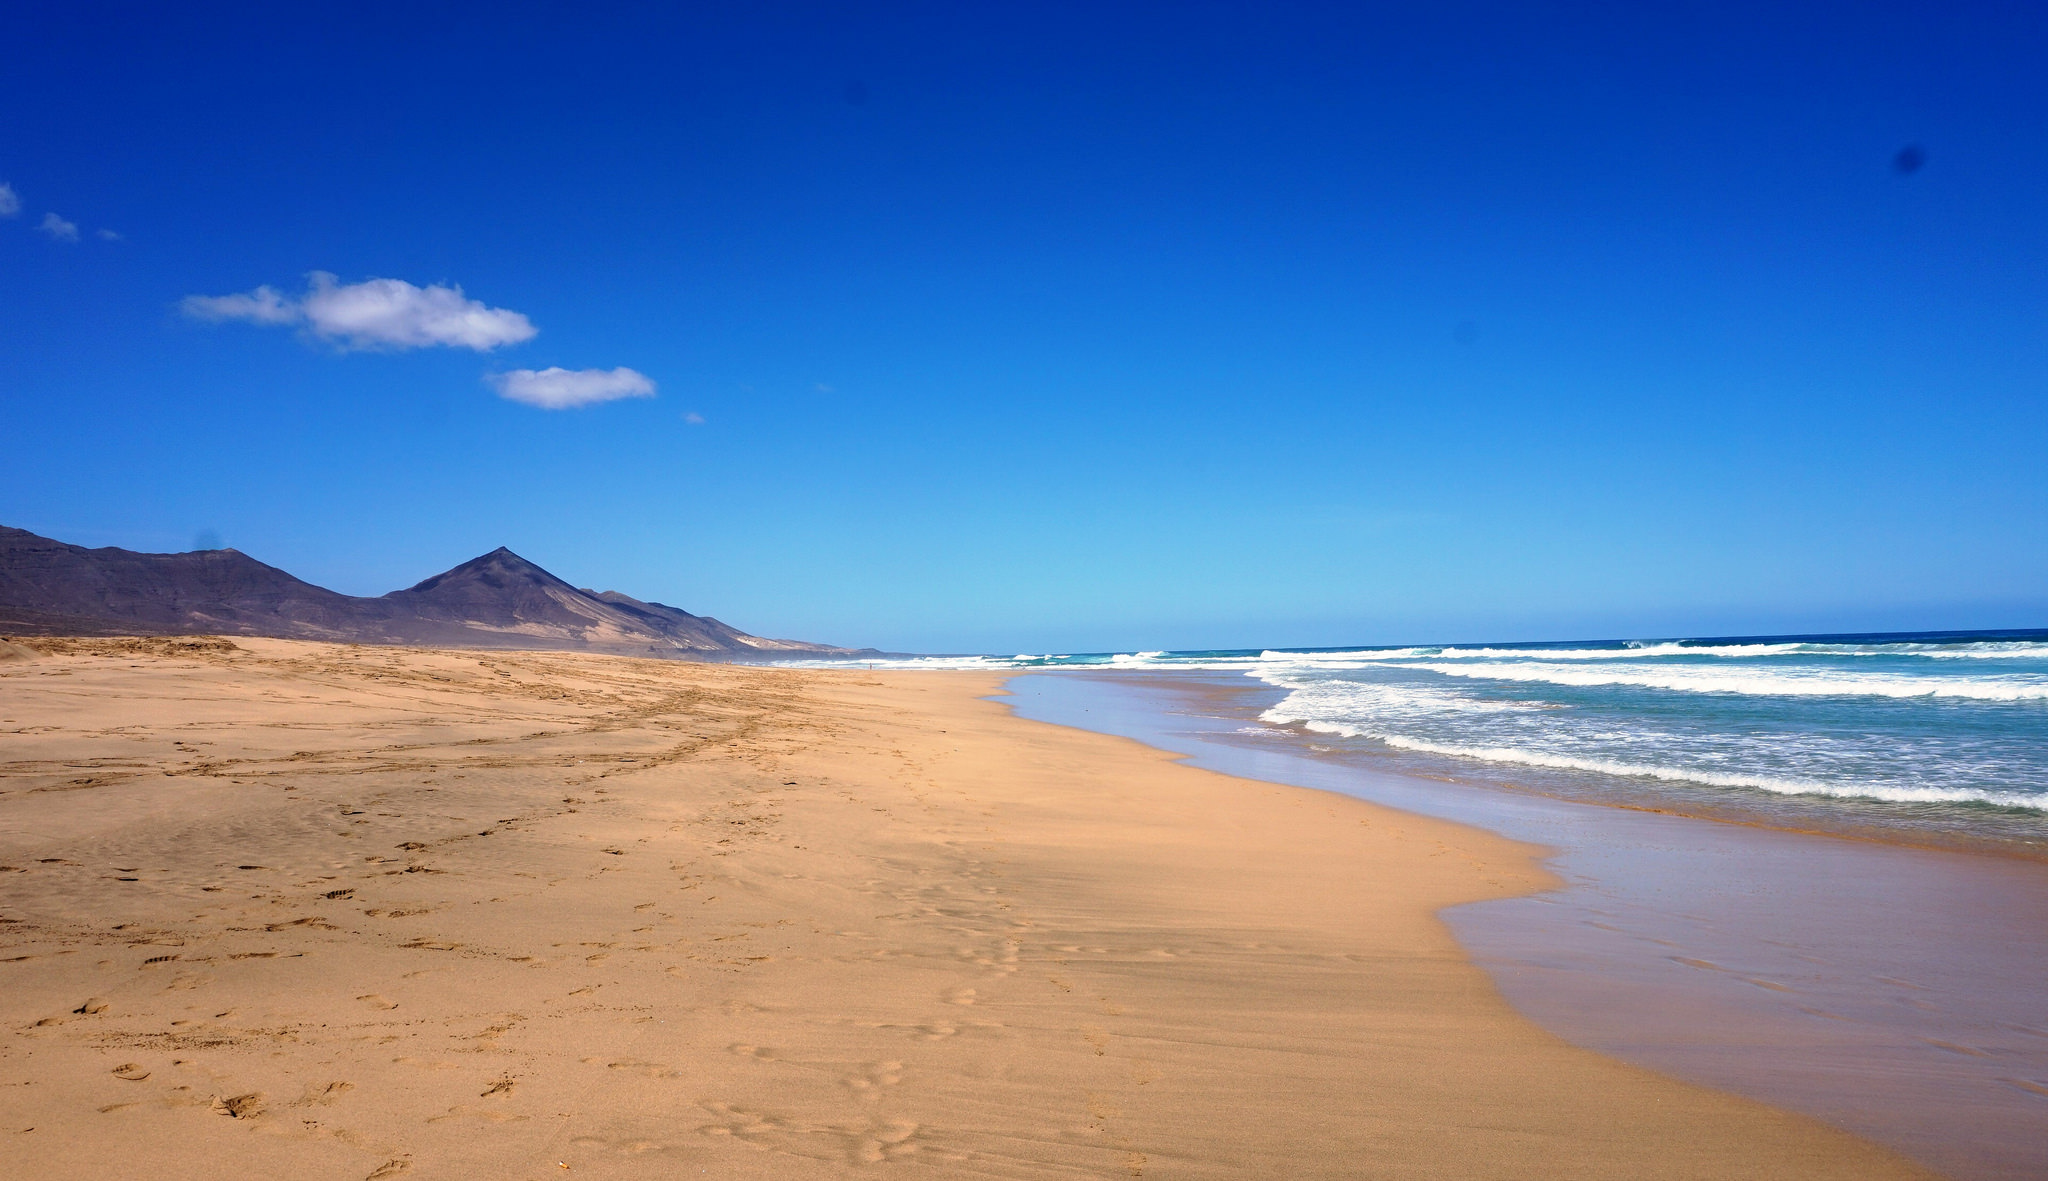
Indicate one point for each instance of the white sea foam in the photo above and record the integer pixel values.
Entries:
(1987, 650)
(1780, 785)
(1634, 652)
(1304, 710)
(1323, 700)
(1788, 682)
(1343, 659)
(1452, 718)
(1664, 649)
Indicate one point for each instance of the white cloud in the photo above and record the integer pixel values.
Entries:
(58, 228)
(261, 306)
(694, 418)
(377, 313)
(395, 313)
(10, 201)
(108, 235)
(561, 389)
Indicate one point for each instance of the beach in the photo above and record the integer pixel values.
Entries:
(334, 911)
(1885, 987)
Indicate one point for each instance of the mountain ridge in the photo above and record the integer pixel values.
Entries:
(495, 600)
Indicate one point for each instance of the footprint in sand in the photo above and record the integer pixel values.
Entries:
(632, 1147)
(650, 1069)
(239, 1106)
(873, 1078)
(131, 1071)
(883, 1140)
(377, 1002)
(741, 1124)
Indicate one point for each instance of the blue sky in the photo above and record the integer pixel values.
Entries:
(1057, 327)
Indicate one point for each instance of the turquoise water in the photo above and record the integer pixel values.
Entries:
(1938, 731)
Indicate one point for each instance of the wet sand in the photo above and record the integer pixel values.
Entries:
(1892, 990)
(321, 911)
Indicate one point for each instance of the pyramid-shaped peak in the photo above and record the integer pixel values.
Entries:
(500, 559)
(499, 570)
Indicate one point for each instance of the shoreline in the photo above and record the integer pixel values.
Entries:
(1816, 819)
(1903, 753)
(351, 912)
(1879, 985)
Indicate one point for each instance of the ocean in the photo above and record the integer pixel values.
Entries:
(1943, 735)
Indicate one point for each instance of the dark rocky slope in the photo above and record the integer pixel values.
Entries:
(499, 600)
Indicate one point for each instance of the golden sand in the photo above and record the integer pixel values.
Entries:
(301, 910)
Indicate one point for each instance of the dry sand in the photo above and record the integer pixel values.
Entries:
(314, 911)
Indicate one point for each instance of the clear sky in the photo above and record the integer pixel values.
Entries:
(1053, 327)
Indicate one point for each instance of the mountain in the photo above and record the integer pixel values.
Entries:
(48, 587)
(499, 600)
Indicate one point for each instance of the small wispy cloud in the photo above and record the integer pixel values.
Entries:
(564, 389)
(261, 306)
(694, 418)
(374, 314)
(10, 201)
(58, 228)
(109, 235)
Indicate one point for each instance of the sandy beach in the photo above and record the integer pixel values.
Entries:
(324, 911)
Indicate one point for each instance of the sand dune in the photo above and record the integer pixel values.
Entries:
(310, 910)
